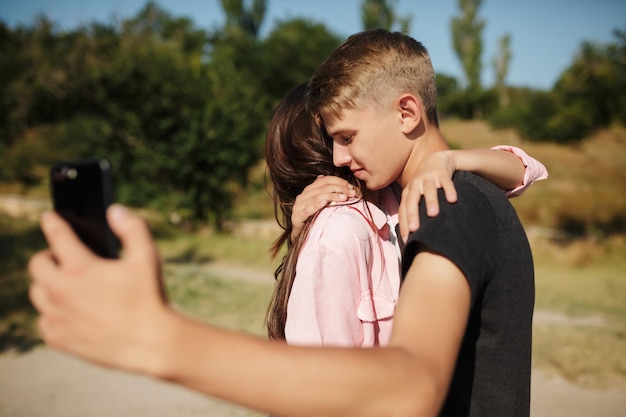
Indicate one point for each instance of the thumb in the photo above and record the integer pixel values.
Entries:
(133, 233)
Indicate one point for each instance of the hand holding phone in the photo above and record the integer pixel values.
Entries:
(82, 191)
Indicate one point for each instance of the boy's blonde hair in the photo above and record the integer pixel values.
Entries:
(371, 68)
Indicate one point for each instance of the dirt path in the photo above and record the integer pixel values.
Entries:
(45, 383)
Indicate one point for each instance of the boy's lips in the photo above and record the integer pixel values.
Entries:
(358, 173)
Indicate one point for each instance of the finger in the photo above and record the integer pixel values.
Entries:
(332, 184)
(42, 266)
(449, 190)
(65, 245)
(133, 233)
(431, 198)
(408, 215)
(39, 298)
(402, 223)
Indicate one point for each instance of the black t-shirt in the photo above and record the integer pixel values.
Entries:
(483, 236)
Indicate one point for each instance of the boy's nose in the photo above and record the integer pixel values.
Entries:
(341, 156)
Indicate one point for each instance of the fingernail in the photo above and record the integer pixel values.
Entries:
(352, 192)
(342, 196)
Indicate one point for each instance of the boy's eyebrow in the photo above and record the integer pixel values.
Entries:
(335, 131)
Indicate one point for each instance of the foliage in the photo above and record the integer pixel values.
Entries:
(19, 239)
(501, 67)
(292, 51)
(248, 20)
(589, 95)
(467, 40)
(181, 112)
(594, 86)
(527, 113)
(377, 14)
(181, 127)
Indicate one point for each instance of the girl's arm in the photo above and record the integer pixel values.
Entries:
(534, 171)
(508, 167)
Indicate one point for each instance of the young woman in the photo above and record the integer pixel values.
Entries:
(339, 279)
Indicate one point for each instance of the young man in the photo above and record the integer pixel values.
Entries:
(382, 85)
(461, 339)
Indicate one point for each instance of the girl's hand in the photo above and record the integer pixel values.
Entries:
(435, 172)
(323, 191)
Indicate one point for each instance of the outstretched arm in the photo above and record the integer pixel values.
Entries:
(112, 312)
(508, 167)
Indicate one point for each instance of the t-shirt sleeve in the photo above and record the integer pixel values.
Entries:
(464, 232)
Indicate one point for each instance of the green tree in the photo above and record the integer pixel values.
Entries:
(382, 14)
(157, 22)
(291, 52)
(180, 124)
(447, 90)
(590, 94)
(467, 29)
(246, 19)
(593, 88)
(11, 66)
(501, 68)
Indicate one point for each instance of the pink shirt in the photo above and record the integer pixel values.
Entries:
(348, 276)
(347, 279)
(535, 170)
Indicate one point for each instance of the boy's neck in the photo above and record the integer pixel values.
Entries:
(431, 141)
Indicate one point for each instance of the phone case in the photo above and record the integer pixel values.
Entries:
(82, 191)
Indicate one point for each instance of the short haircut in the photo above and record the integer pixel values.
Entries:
(370, 68)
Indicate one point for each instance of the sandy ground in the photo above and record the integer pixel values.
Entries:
(46, 383)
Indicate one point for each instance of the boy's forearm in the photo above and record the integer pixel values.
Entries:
(284, 380)
(502, 168)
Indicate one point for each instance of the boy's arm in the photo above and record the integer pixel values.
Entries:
(112, 312)
(508, 167)
(409, 377)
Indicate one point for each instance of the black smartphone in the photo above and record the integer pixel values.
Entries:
(82, 190)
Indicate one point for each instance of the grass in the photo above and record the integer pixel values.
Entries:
(584, 282)
(584, 190)
(18, 240)
(232, 304)
(248, 251)
(590, 356)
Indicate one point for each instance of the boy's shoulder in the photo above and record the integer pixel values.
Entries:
(474, 189)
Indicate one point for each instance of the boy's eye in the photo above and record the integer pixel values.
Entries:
(347, 139)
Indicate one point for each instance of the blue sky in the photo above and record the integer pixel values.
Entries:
(546, 34)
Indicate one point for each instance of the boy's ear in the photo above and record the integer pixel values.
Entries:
(410, 110)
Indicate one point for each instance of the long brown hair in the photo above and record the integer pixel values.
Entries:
(297, 152)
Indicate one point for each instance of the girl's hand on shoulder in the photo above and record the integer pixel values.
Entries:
(326, 189)
(435, 172)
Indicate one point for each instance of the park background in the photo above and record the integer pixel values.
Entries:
(181, 110)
